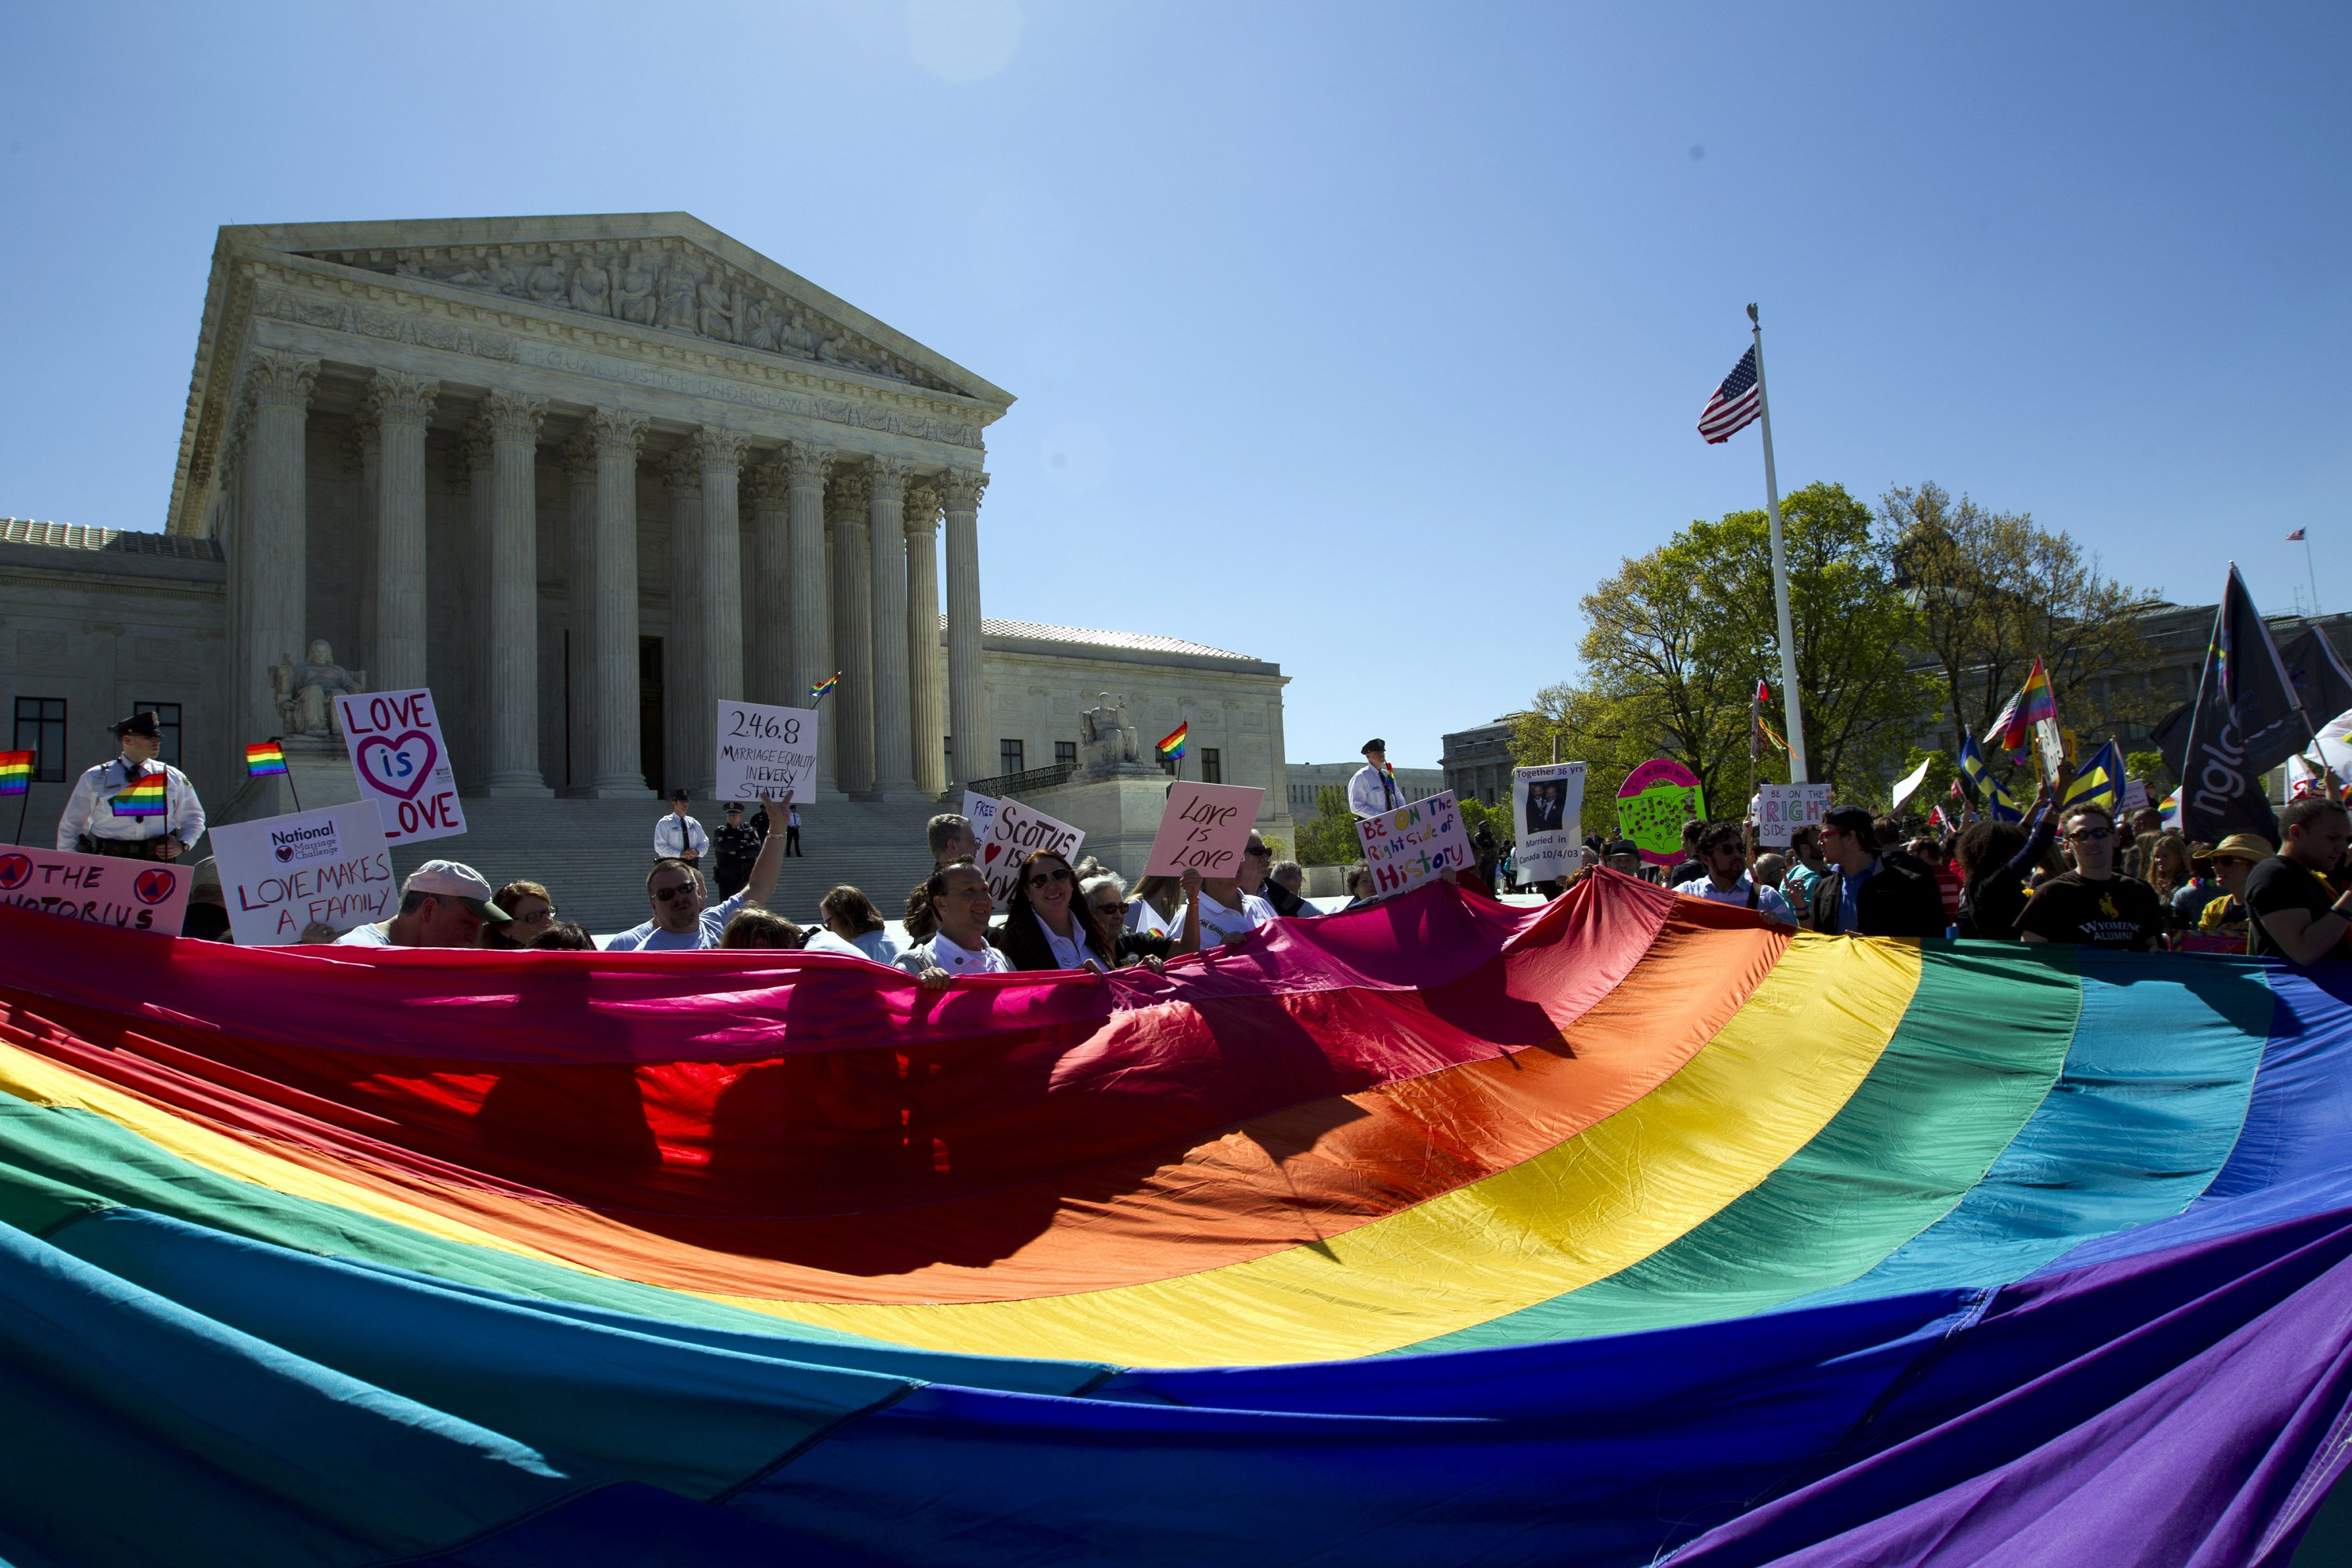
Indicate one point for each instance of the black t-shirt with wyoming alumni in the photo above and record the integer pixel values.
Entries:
(2119, 911)
(2278, 883)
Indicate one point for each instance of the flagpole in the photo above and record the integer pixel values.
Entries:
(280, 742)
(1790, 707)
(2312, 569)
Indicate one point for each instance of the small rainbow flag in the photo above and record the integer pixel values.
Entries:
(144, 798)
(1171, 746)
(15, 771)
(2032, 703)
(824, 689)
(262, 760)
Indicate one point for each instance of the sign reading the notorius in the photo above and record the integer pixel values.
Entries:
(138, 895)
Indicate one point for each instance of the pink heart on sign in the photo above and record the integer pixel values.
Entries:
(401, 766)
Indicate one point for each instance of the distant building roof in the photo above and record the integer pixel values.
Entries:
(115, 541)
(1135, 642)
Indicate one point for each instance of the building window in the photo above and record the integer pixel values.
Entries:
(41, 728)
(1066, 752)
(1171, 765)
(1212, 765)
(1008, 756)
(167, 719)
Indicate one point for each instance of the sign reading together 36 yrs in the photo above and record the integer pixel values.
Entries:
(1205, 828)
(766, 751)
(403, 762)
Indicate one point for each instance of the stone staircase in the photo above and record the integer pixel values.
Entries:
(592, 854)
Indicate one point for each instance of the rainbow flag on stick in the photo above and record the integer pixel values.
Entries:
(824, 689)
(1171, 745)
(144, 798)
(2032, 703)
(15, 771)
(265, 760)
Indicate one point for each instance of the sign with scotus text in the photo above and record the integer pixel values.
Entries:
(1015, 832)
(283, 874)
(137, 895)
(1781, 809)
(402, 763)
(1410, 845)
(1548, 810)
(766, 751)
(1205, 828)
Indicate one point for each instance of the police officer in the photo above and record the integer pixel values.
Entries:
(737, 846)
(95, 822)
(1373, 793)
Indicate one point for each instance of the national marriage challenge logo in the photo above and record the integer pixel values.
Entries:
(316, 842)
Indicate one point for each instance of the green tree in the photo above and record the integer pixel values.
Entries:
(1995, 589)
(1678, 639)
(2150, 769)
(1331, 839)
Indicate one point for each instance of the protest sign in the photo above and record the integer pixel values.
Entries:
(1548, 809)
(1654, 803)
(1204, 829)
(1410, 845)
(137, 895)
(280, 874)
(2135, 796)
(1908, 783)
(402, 763)
(766, 751)
(1015, 832)
(979, 810)
(1785, 808)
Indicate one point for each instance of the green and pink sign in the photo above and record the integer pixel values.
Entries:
(1654, 803)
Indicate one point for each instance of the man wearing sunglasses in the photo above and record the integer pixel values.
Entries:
(2090, 905)
(673, 892)
(1230, 907)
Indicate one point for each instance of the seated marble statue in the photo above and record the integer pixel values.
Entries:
(306, 692)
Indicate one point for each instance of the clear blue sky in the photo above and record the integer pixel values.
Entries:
(1362, 338)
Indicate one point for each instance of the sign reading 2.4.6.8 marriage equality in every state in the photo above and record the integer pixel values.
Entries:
(766, 751)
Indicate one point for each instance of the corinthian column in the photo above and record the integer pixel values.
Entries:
(466, 722)
(923, 671)
(811, 647)
(719, 619)
(894, 709)
(853, 633)
(963, 488)
(400, 405)
(768, 633)
(513, 423)
(686, 672)
(613, 710)
(275, 538)
(581, 638)
(367, 457)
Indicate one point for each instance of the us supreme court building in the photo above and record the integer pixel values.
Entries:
(581, 477)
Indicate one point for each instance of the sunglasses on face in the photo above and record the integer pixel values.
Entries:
(537, 917)
(2080, 834)
(1047, 879)
(675, 890)
(1257, 849)
(1104, 907)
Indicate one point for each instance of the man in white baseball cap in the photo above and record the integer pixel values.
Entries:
(442, 904)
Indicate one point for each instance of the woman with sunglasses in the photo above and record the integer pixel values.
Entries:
(1048, 926)
(530, 912)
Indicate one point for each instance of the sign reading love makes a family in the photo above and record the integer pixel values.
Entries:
(402, 763)
(765, 751)
(136, 895)
(1654, 803)
(1015, 832)
(1205, 828)
(1405, 847)
(282, 875)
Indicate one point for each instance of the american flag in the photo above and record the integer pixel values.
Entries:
(1734, 406)
(2295, 535)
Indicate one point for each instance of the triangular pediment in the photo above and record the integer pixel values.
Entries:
(667, 272)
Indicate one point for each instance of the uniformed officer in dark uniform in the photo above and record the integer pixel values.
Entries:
(97, 820)
(736, 847)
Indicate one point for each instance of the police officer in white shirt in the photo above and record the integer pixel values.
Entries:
(1373, 793)
(678, 837)
(98, 822)
(961, 903)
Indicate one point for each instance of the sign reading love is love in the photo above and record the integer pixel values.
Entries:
(1654, 803)
(1013, 833)
(137, 895)
(402, 763)
(1205, 828)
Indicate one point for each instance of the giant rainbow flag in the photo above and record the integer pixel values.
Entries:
(1625, 1230)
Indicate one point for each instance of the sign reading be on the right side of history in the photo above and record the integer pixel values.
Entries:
(1784, 808)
